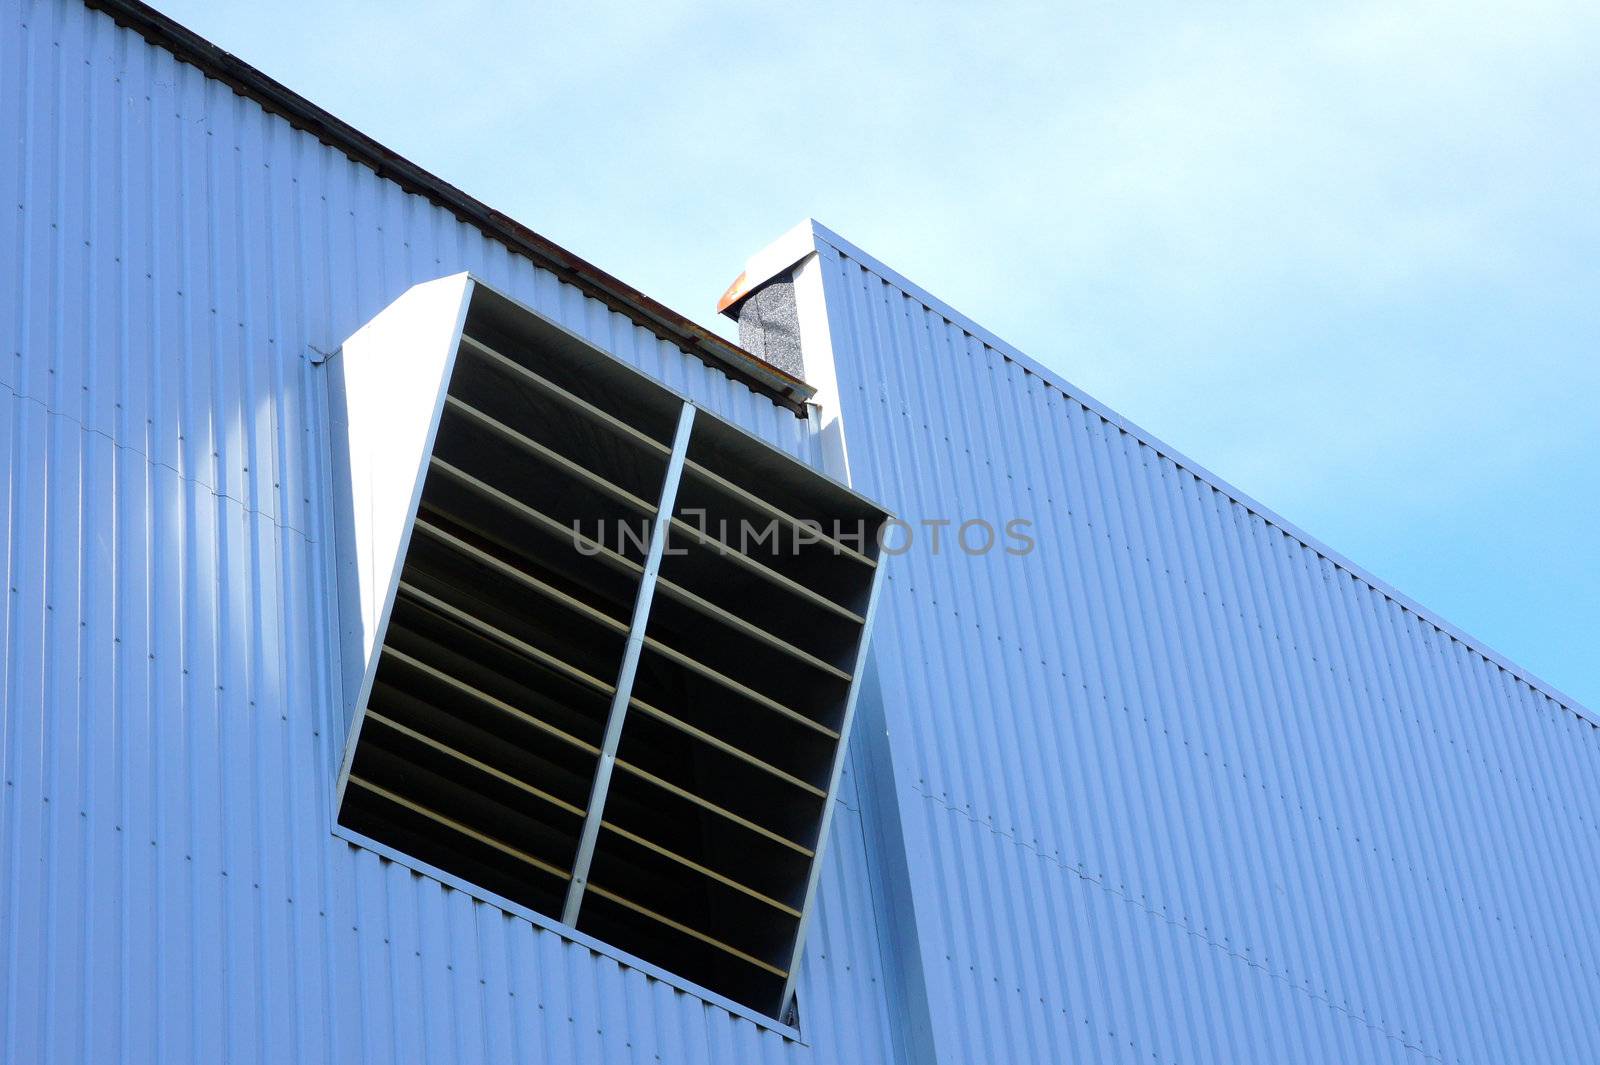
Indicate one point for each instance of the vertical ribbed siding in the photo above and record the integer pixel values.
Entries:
(1179, 787)
(173, 261)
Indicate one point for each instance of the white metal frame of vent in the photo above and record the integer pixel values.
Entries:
(702, 652)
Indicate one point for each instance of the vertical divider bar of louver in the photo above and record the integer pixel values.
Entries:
(630, 666)
(808, 900)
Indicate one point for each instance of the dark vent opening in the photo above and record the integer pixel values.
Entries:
(793, 614)
(618, 920)
(398, 793)
(766, 729)
(663, 881)
(385, 818)
(602, 580)
(455, 665)
(714, 836)
(488, 744)
(550, 433)
(707, 766)
(569, 363)
(753, 657)
(723, 453)
(481, 743)
(808, 555)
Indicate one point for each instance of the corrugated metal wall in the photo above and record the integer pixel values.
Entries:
(172, 259)
(1174, 788)
(1178, 787)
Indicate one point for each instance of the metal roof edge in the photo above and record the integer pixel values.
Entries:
(276, 98)
(822, 235)
(783, 253)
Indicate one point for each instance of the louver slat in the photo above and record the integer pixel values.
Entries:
(755, 566)
(457, 826)
(554, 458)
(735, 686)
(505, 569)
(482, 767)
(699, 472)
(726, 748)
(654, 769)
(468, 691)
(693, 866)
(468, 621)
(543, 522)
(711, 807)
(745, 628)
(611, 896)
(518, 371)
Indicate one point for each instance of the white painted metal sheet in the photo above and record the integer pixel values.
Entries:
(386, 391)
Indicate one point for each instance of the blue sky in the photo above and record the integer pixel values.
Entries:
(1346, 256)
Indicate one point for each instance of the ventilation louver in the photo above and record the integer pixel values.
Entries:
(634, 729)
